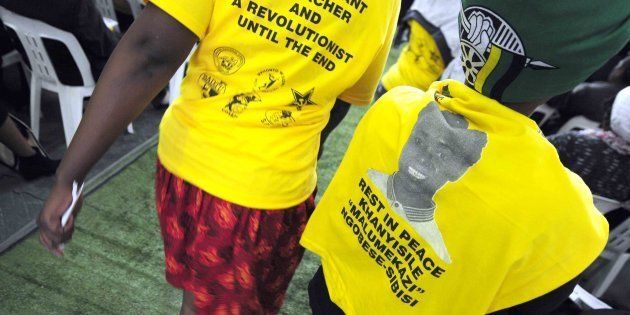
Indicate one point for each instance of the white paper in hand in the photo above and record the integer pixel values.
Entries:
(76, 193)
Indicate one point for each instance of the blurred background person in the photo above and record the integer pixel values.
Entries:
(592, 98)
(82, 19)
(602, 157)
(432, 51)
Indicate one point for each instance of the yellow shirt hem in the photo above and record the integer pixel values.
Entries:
(215, 189)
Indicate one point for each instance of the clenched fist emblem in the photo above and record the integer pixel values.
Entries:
(480, 32)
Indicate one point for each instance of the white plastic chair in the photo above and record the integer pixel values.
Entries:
(578, 123)
(106, 7)
(587, 301)
(11, 58)
(543, 113)
(174, 85)
(136, 7)
(616, 253)
(605, 205)
(14, 57)
(43, 76)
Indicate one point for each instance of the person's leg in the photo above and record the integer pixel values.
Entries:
(337, 114)
(319, 298)
(243, 259)
(280, 263)
(13, 138)
(171, 196)
(188, 306)
(232, 259)
(380, 91)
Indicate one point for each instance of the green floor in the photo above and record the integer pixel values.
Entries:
(114, 264)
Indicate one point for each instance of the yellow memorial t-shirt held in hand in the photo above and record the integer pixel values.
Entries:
(448, 202)
(260, 87)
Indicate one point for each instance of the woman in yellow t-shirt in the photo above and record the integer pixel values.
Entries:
(237, 152)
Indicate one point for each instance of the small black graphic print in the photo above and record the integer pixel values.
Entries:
(269, 80)
(278, 118)
(239, 103)
(302, 100)
(228, 60)
(210, 86)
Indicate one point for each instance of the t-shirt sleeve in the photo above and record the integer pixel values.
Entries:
(362, 92)
(193, 14)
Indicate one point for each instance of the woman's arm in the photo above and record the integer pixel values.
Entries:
(141, 65)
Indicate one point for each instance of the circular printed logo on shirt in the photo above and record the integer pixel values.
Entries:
(228, 60)
(269, 80)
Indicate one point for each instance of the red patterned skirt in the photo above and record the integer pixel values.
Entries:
(236, 260)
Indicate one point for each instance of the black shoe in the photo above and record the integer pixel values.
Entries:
(380, 90)
(160, 102)
(35, 166)
(30, 167)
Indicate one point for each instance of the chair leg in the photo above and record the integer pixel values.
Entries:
(617, 266)
(28, 74)
(36, 100)
(71, 103)
(174, 84)
(586, 301)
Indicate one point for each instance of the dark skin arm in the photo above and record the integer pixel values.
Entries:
(140, 66)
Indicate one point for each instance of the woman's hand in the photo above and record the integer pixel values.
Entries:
(51, 233)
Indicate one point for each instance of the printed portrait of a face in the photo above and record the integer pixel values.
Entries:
(439, 150)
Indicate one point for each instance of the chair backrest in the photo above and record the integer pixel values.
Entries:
(587, 301)
(106, 7)
(578, 123)
(619, 239)
(605, 205)
(11, 58)
(543, 113)
(31, 33)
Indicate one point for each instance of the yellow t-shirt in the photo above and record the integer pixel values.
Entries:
(448, 202)
(420, 63)
(260, 87)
